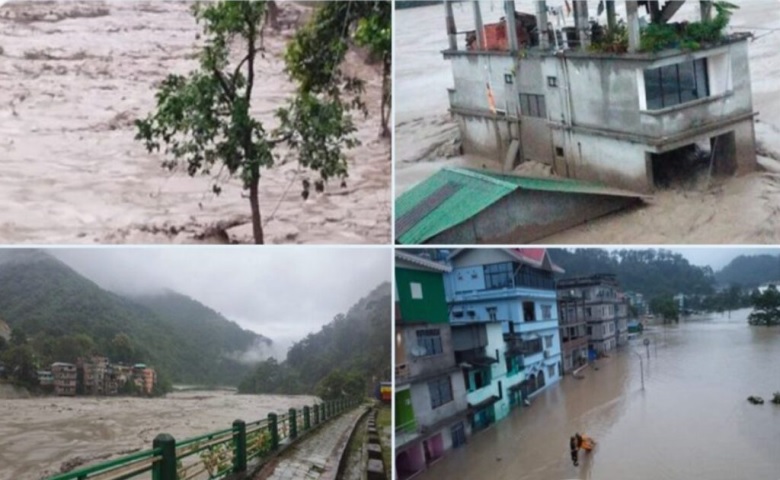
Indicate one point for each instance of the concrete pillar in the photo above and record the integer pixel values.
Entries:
(542, 25)
(581, 22)
(655, 11)
(611, 16)
(632, 23)
(511, 25)
(451, 25)
(706, 10)
(480, 27)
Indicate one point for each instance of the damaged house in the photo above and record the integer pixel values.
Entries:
(614, 116)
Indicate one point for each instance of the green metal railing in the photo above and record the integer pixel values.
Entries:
(217, 454)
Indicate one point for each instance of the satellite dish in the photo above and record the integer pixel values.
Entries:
(418, 351)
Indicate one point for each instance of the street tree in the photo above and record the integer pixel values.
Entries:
(766, 308)
(665, 307)
(203, 119)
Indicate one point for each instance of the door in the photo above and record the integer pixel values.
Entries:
(458, 435)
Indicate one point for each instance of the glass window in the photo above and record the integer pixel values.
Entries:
(441, 391)
(525, 106)
(546, 312)
(416, 291)
(498, 275)
(430, 340)
(676, 84)
(542, 107)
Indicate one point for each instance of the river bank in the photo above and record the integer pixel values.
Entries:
(40, 435)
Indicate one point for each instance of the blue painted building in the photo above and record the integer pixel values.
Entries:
(513, 288)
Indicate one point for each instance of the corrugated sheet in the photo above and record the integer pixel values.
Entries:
(454, 195)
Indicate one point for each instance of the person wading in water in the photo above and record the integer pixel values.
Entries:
(574, 450)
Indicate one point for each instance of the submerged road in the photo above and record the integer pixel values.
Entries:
(316, 457)
(692, 420)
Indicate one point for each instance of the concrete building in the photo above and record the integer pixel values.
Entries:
(144, 377)
(515, 288)
(430, 397)
(92, 374)
(573, 327)
(616, 118)
(65, 378)
(600, 304)
(45, 378)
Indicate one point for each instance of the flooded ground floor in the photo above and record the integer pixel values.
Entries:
(39, 436)
(691, 421)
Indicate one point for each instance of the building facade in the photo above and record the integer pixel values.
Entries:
(597, 301)
(611, 118)
(514, 288)
(573, 328)
(430, 396)
(65, 378)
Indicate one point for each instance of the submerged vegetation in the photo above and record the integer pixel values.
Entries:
(766, 308)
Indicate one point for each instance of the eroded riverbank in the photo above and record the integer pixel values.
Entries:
(39, 435)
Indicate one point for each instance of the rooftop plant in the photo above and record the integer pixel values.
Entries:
(689, 35)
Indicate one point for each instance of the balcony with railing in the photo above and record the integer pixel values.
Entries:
(517, 346)
(536, 325)
(572, 343)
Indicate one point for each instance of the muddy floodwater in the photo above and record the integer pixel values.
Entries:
(39, 435)
(692, 421)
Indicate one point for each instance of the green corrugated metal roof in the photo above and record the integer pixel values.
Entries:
(453, 195)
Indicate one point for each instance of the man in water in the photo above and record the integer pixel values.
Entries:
(574, 450)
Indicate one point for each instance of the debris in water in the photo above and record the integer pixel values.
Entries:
(776, 398)
(755, 400)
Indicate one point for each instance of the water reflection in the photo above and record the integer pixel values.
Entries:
(691, 421)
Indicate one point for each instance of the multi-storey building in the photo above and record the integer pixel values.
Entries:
(573, 328)
(93, 373)
(65, 378)
(600, 305)
(514, 287)
(615, 117)
(430, 398)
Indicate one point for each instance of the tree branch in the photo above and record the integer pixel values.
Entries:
(238, 68)
(229, 92)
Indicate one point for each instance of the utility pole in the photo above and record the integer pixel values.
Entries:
(641, 369)
(647, 347)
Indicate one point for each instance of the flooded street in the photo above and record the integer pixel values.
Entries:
(729, 210)
(692, 421)
(38, 435)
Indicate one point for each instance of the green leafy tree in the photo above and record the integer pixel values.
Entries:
(666, 307)
(340, 384)
(122, 349)
(18, 337)
(203, 119)
(20, 365)
(766, 308)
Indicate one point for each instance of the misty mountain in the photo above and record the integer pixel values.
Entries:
(750, 271)
(357, 343)
(651, 272)
(185, 340)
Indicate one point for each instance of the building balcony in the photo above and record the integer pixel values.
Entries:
(574, 343)
(423, 374)
(527, 327)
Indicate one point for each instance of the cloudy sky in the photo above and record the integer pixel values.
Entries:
(282, 293)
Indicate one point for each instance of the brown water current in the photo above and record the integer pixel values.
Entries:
(38, 435)
(692, 420)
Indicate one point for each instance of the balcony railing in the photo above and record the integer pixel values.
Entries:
(572, 343)
(536, 325)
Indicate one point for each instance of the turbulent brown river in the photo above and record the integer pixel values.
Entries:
(692, 421)
(38, 435)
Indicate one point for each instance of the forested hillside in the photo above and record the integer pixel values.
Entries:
(653, 273)
(750, 271)
(64, 315)
(345, 357)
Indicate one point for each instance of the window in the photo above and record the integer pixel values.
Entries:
(441, 391)
(590, 330)
(509, 78)
(430, 340)
(416, 291)
(548, 341)
(529, 312)
(533, 105)
(676, 84)
(546, 312)
(559, 151)
(498, 275)
(550, 370)
(492, 313)
(552, 82)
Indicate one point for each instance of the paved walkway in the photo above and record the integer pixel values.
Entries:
(316, 457)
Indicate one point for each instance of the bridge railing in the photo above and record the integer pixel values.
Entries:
(217, 454)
